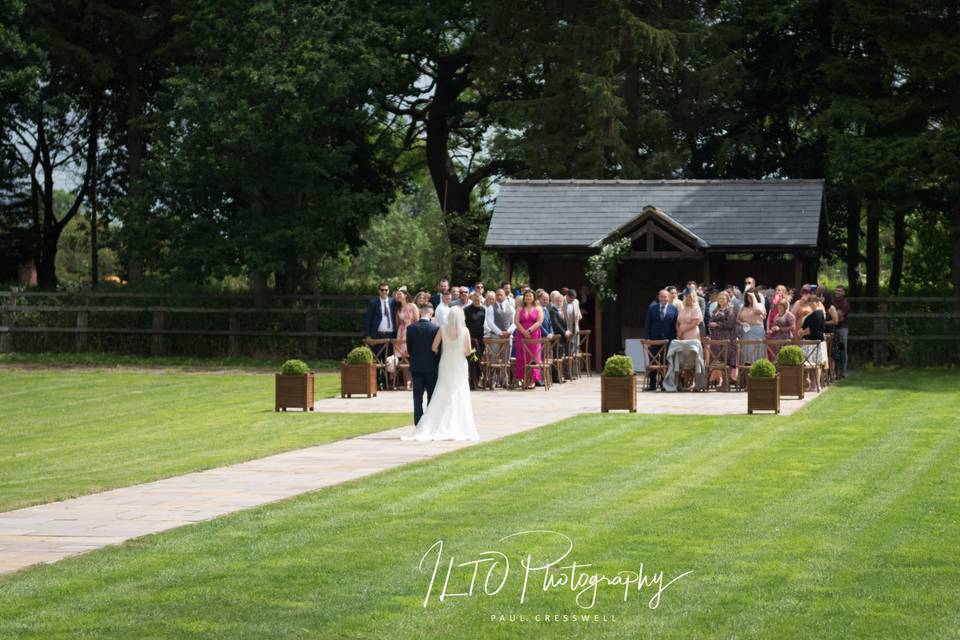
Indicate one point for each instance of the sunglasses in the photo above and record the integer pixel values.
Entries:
(384, 290)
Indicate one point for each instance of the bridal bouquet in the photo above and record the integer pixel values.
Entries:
(473, 355)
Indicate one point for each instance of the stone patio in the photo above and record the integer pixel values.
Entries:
(49, 532)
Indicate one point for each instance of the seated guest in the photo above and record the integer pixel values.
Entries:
(689, 318)
(440, 314)
(380, 317)
(660, 324)
(475, 315)
(723, 326)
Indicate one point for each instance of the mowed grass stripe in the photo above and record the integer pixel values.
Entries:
(80, 432)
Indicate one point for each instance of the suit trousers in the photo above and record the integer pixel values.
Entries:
(423, 381)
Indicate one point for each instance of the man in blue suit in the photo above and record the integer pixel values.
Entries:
(660, 324)
(423, 360)
(380, 321)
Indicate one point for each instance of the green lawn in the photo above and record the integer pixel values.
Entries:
(68, 433)
(842, 521)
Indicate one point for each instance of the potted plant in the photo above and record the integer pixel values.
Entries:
(294, 386)
(618, 385)
(358, 374)
(763, 387)
(790, 368)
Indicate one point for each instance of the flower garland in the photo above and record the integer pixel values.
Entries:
(602, 268)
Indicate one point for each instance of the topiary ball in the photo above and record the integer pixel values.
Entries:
(762, 368)
(618, 367)
(360, 355)
(295, 368)
(790, 356)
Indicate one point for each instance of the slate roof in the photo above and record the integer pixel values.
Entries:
(723, 213)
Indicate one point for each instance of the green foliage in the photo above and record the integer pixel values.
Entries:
(295, 368)
(762, 368)
(789, 356)
(602, 268)
(618, 366)
(360, 355)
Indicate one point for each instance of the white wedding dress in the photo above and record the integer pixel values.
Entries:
(449, 414)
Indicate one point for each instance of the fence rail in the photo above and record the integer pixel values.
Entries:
(42, 313)
(909, 329)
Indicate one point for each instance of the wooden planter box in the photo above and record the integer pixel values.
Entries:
(792, 380)
(619, 393)
(763, 394)
(294, 392)
(358, 380)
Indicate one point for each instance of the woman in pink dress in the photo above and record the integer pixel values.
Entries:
(407, 314)
(528, 320)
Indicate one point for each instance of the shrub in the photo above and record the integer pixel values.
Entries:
(618, 367)
(360, 355)
(762, 368)
(790, 356)
(295, 368)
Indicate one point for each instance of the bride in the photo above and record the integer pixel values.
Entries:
(449, 415)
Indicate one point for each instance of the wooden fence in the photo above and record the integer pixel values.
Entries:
(881, 327)
(305, 311)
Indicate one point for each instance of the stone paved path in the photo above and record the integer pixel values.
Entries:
(49, 532)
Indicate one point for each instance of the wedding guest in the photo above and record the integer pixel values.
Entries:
(778, 294)
(751, 318)
(784, 323)
(748, 284)
(379, 321)
(842, 306)
(572, 318)
(479, 288)
(475, 316)
(557, 321)
(422, 298)
(455, 297)
(812, 329)
(440, 314)
(442, 287)
(407, 314)
(723, 326)
(544, 299)
(660, 324)
(464, 297)
(528, 320)
(672, 294)
(508, 297)
(689, 318)
(498, 323)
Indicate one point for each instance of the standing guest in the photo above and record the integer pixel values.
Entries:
(544, 299)
(479, 288)
(407, 314)
(557, 321)
(812, 328)
(572, 318)
(508, 297)
(379, 320)
(528, 321)
(454, 296)
(464, 297)
(689, 318)
(440, 315)
(723, 326)
(748, 284)
(498, 323)
(660, 324)
(779, 293)
(672, 294)
(751, 318)
(475, 315)
(784, 323)
(764, 296)
(701, 302)
(422, 298)
(442, 287)
(842, 306)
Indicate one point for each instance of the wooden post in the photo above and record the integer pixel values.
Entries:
(6, 338)
(797, 271)
(233, 340)
(157, 342)
(597, 334)
(880, 330)
(80, 340)
(507, 268)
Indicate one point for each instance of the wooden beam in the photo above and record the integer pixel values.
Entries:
(508, 268)
(597, 333)
(797, 271)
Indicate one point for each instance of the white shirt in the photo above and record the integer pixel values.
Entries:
(386, 322)
(490, 328)
(440, 315)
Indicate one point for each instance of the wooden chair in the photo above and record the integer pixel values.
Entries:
(831, 370)
(717, 356)
(812, 362)
(558, 358)
(655, 353)
(773, 348)
(496, 362)
(536, 355)
(381, 347)
(582, 356)
(747, 352)
(402, 364)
